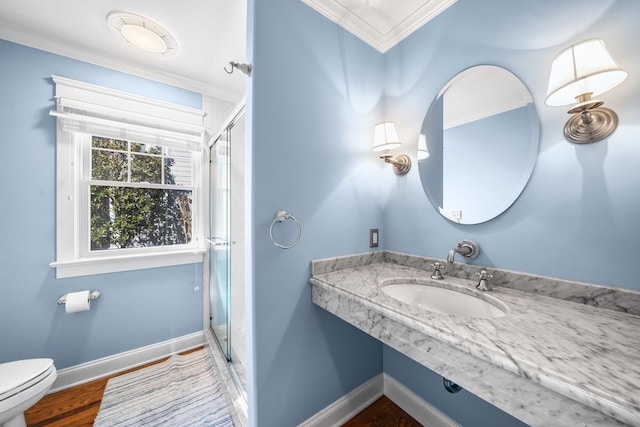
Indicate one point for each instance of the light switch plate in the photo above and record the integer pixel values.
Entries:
(373, 237)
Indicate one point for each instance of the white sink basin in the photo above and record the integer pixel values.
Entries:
(458, 301)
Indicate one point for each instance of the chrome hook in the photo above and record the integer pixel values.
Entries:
(244, 68)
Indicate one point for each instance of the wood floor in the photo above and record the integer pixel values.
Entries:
(78, 407)
(382, 413)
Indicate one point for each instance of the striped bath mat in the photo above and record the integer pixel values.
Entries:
(181, 391)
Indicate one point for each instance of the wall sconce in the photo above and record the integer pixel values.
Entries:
(386, 139)
(423, 151)
(578, 73)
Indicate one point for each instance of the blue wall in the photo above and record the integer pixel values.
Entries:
(463, 407)
(498, 164)
(314, 96)
(432, 168)
(136, 308)
(579, 216)
(580, 211)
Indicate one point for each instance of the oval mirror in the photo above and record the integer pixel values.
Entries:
(478, 144)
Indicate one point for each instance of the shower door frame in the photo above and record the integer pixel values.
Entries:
(237, 115)
(219, 242)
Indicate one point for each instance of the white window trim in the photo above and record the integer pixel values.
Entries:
(80, 105)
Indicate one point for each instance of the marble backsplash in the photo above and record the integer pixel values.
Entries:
(617, 299)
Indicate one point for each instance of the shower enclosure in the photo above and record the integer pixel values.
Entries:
(226, 244)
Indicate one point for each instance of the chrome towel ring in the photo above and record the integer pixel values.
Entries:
(282, 216)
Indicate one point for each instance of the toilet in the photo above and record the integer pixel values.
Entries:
(22, 384)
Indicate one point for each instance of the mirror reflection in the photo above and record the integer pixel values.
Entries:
(482, 134)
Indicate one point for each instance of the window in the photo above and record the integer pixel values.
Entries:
(139, 195)
(128, 190)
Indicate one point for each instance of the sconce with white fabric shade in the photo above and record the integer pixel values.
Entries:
(578, 74)
(423, 151)
(385, 139)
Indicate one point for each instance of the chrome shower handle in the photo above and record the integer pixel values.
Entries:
(219, 241)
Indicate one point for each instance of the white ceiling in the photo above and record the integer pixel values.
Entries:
(479, 92)
(210, 33)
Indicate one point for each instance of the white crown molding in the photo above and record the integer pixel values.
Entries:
(362, 23)
(64, 49)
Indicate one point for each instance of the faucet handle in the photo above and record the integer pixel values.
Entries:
(484, 275)
(437, 275)
(483, 283)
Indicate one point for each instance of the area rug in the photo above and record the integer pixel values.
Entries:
(181, 391)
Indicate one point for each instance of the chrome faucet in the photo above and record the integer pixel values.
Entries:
(451, 256)
(483, 284)
(466, 248)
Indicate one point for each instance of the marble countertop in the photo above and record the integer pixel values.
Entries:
(585, 353)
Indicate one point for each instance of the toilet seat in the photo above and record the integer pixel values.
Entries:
(22, 384)
(15, 377)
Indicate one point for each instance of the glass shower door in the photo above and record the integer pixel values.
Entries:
(226, 254)
(220, 243)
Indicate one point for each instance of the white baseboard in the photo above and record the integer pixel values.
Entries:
(85, 372)
(347, 406)
(425, 413)
(353, 403)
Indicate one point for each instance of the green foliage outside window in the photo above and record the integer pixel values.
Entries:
(128, 217)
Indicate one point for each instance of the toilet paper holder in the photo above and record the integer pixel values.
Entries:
(63, 299)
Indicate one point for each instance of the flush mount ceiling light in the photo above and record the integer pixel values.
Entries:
(142, 33)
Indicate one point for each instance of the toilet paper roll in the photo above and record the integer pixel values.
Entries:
(78, 301)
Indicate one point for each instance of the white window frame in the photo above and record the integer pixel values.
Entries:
(83, 110)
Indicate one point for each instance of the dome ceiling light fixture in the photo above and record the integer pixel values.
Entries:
(142, 33)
